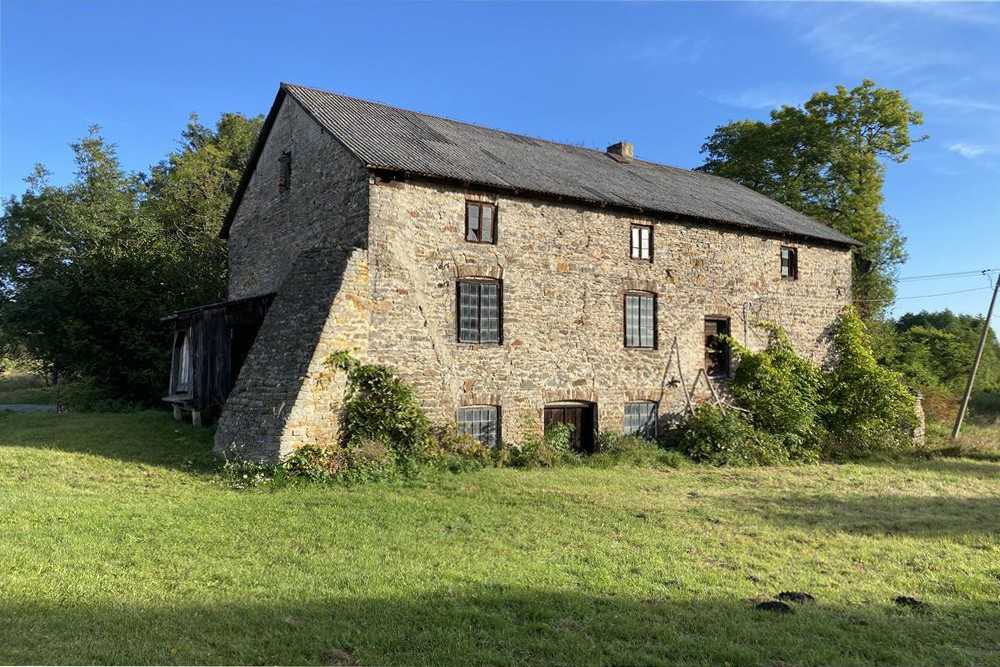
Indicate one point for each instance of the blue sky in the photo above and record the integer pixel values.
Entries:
(661, 75)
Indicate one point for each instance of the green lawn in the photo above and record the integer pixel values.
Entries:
(120, 545)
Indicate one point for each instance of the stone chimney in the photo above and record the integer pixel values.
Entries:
(623, 151)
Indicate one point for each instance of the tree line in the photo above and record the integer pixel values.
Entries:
(87, 269)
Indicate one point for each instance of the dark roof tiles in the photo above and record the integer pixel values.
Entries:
(394, 139)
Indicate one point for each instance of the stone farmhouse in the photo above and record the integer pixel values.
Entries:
(514, 282)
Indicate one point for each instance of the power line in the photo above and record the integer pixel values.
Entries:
(956, 274)
(924, 296)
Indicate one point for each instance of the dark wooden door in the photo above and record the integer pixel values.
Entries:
(580, 418)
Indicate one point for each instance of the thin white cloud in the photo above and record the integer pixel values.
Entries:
(761, 97)
(671, 50)
(868, 39)
(971, 13)
(956, 103)
(972, 151)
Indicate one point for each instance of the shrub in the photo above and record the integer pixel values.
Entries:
(85, 395)
(868, 407)
(552, 448)
(380, 407)
(727, 438)
(783, 394)
(985, 406)
(315, 463)
(458, 452)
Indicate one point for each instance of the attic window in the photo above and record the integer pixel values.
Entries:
(285, 172)
(480, 222)
(789, 263)
(642, 242)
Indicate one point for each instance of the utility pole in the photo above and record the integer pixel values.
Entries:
(975, 365)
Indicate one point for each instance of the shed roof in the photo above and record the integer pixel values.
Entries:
(396, 140)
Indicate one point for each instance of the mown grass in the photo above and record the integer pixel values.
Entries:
(120, 544)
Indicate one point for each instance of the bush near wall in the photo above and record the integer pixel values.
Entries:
(792, 411)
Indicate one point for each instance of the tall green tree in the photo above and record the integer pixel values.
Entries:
(827, 159)
(87, 269)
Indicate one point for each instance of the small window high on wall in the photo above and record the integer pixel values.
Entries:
(642, 243)
(480, 222)
(789, 263)
(285, 172)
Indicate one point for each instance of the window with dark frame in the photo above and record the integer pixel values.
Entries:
(717, 353)
(641, 242)
(479, 306)
(285, 172)
(640, 419)
(481, 422)
(640, 320)
(480, 222)
(789, 263)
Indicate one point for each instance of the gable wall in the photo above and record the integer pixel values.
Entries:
(309, 245)
(565, 270)
(327, 203)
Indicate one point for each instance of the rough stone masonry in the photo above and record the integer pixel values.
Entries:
(369, 263)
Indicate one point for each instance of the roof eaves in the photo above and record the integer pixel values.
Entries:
(672, 216)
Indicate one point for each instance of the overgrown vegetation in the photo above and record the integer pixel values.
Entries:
(386, 434)
(789, 410)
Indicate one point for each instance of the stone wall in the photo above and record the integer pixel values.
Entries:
(371, 266)
(286, 395)
(309, 244)
(327, 204)
(565, 270)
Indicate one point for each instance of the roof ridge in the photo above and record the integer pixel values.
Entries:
(287, 84)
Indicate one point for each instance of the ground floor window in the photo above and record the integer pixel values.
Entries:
(481, 422)
(640, 419)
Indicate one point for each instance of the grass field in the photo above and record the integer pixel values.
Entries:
(120, 544)
(23, 387)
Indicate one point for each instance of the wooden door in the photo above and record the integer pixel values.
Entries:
(581, 420)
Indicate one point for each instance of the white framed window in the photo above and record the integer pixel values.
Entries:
(789, 263)
(642, 242)
(481, 422)
(640, 419)
(640, 320)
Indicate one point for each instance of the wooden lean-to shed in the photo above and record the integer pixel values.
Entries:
(210, 345)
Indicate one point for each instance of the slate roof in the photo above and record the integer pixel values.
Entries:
(396, 140)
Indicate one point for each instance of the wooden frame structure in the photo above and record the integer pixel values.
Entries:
(210, 345)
